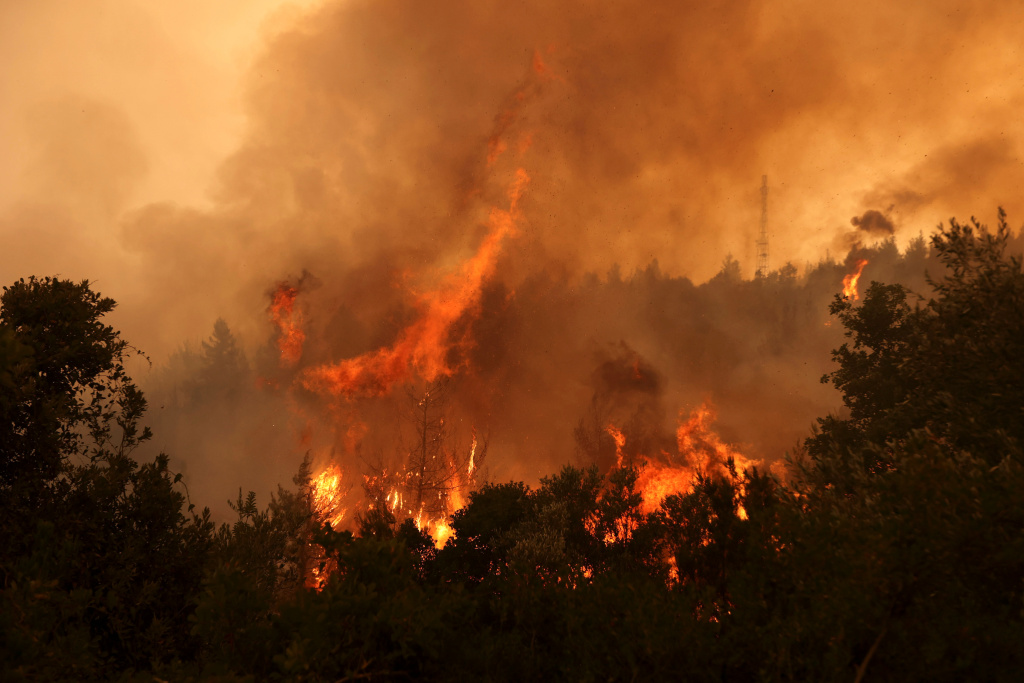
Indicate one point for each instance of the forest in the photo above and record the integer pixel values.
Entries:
(890, 547)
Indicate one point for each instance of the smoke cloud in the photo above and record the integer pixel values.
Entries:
(874, 222)
(367, 142)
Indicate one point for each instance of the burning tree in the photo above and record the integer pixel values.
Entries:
(435, 471)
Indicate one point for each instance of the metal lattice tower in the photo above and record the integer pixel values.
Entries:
(762, 240)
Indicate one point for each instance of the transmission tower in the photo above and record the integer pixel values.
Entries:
(762, 240)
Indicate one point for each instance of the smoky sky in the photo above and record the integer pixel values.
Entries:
(873, 222)
(359, 132)
(187, 157)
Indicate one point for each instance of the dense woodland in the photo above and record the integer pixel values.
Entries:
(893, 548)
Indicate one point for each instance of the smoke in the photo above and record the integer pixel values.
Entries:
(377, 137)
(874, 222)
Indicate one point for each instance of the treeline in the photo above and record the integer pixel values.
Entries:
(894, 549)
(531, 359)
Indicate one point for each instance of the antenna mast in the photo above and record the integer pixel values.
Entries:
(762, 240)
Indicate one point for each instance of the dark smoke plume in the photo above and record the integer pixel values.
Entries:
(874, 222)
(377, 138)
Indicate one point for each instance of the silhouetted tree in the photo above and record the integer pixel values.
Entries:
(98, 557)
(951, 366)
(224, 365)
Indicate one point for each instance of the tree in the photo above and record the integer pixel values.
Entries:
(99, 558)
(951, 366)
(433, 466)
(903, 540)
(66, 384)
(224, 364)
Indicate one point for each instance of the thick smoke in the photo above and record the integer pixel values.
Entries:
(874, 222)
(378, 136)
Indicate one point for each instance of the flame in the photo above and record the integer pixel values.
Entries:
(438, 528)
(620, 442)
(326, 504)
(441, 532)
(394, 500)
(699, 443)
(850, 281)
(320, 570)
(422, 347)
(658, 481)
(327, 495)
(472, 456)
(673, 570)
(282, 311)
(702, 451)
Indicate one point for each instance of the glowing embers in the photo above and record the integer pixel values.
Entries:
(422, 348)
(850, 281)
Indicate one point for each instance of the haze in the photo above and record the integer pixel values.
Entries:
(188, 156)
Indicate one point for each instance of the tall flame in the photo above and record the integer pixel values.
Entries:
(620, 442)
(282, 311)
(699, 443)
(422, 347)
(850, 281)
(472, 456)
(326, 493)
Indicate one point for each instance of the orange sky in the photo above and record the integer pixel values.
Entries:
(186, 155)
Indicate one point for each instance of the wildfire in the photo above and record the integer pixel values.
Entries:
(282, 311)
(850, 281)
(437, 528)
(422, 347)
(326, 494)
(701, 449)
(658, 481)
(620, 442)
(472, 456)
(699, 443)
(441, 532)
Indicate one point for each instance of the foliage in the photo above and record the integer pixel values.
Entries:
(65, 384)
(951, 366)
(99, 558)
(894, 550)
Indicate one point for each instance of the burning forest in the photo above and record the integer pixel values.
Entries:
(563, 392)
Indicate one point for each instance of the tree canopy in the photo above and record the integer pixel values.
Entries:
(892, 550)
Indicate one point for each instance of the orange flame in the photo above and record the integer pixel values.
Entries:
(290, 336)
(850, 281)
(658, 481)
(327, 495)
(472, 456)
(326, 504)
(422, 347)
(702, 450)
(620, 442)
(698, 442)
